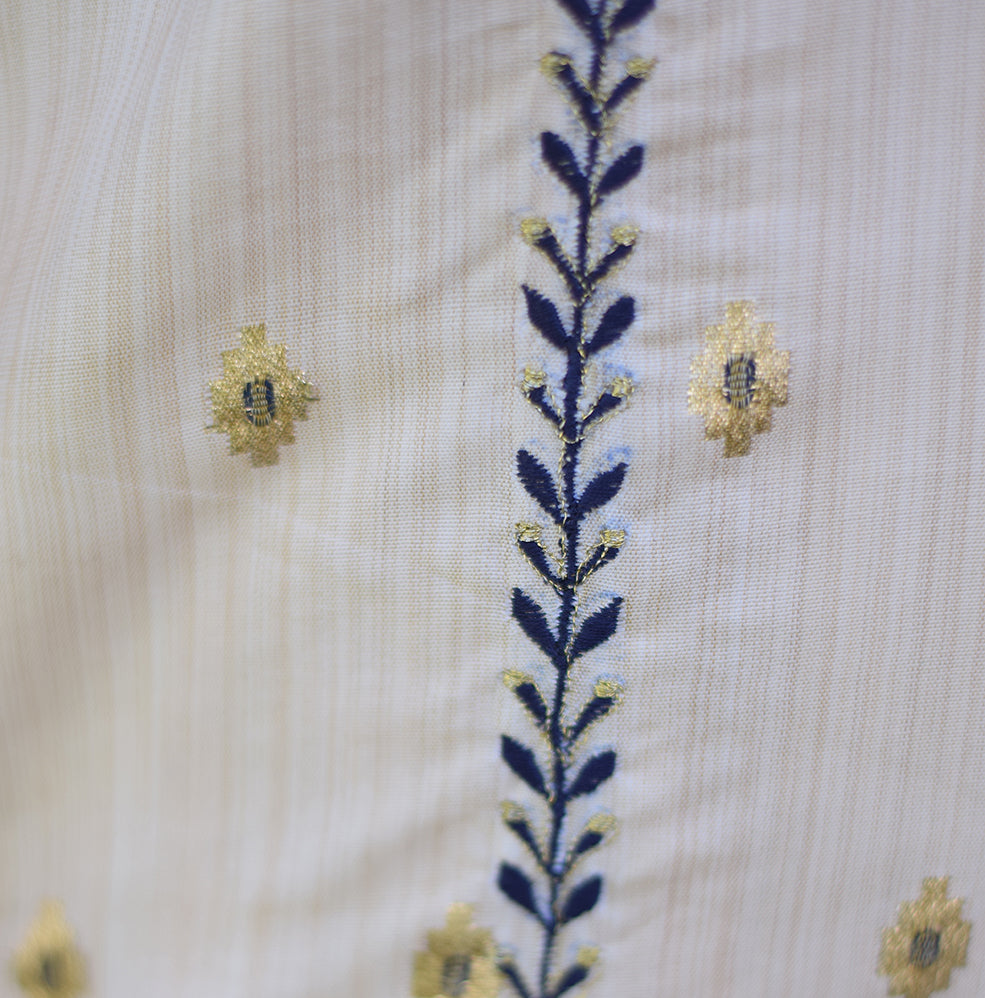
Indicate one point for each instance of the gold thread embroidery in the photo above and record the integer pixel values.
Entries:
(928, 940)
(534, 229)
(512, 678)
(640, 68)
(459, 961)
(587, 956)
(738, 379)
(258, 398)
(529, 532)
(553, 63)
(621, 387)
(608, 688)
(48, 963)
(511, 811)
(625, 235)
(602, 823)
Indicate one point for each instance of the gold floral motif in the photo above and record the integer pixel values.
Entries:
(459, 961)
(738, 379)
(48, 964)
(258, 398)
(927, 941)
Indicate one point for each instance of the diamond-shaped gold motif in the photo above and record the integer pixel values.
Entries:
(48, 964)
(738, 379)
(258, 398)
(928, 940)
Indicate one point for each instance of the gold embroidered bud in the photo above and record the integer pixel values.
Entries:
(512, 812)
(512, 678)
(601, 824)
(640, 68)
(612, 538)
(625, 235)
(533, 230)
(527, 532)
(607, 688)
(532, 378)
(587, 955)
(553, 63)
(621, 387)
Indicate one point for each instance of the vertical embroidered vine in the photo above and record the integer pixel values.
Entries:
(590, 175)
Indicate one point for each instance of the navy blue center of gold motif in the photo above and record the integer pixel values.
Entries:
(740, 381)
(51, 970)
(455, 975)
(258, 401)
(925, 948)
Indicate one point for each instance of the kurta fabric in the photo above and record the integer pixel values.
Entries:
(250, 716)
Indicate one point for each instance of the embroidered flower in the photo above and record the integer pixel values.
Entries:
(927, 941)
(738, 379)
(459, 960)
(257, 399)
(48, 964)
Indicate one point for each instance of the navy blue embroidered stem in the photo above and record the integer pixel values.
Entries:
(590, 181)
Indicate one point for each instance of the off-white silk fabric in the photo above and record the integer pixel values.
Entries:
(249, 717)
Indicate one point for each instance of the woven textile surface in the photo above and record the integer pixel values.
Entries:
(250, 716)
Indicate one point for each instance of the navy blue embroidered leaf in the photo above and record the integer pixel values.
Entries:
(559, 157)
(537, 557)
(582, 899)
(625, 88)
(583, 101)
(512, 973)
(597, 629)
(617, 319)
(515, 884)
(548, 245)
(531, 618)
(531, 698)
(580, 11)
(606, 403)
(524, 763)
(622, 171)
(631, 12)
(538, 398)
(615, 255)
(590, 838)
(521, 828)
(593, 774)
(598, 556)
(601, 488)
(544, 316)
(537, 481)
(595, 709)
(571, 978)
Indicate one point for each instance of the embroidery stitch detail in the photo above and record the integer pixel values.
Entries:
(458, 962)
(928, 940)
(738, 379)
(564, 633)
(257, 399)
(48, 964)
